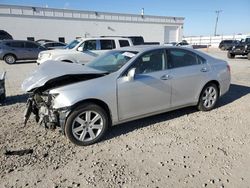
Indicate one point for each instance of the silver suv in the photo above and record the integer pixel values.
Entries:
(13, 50)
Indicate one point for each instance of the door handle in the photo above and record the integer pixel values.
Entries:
(166, 77)
(204, 69)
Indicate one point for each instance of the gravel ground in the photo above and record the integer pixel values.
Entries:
(183, 148)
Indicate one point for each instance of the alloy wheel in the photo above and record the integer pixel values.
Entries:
(209, 97)
(10, 59)
(87, 126)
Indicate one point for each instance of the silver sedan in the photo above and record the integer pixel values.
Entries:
(123, 85)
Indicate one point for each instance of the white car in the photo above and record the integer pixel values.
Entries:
(182, 44)
(84, 50)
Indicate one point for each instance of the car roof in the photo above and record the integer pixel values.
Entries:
(53, 42)
(144, 48)
(104, 38)
(18, 41)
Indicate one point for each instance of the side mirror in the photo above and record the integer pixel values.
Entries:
(131, 74)
(80, 49)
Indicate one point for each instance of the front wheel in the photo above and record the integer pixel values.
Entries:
(86, 125)
(223, 48)
(208, 98)
(230, 55)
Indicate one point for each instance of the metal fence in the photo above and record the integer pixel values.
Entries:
(213, 41)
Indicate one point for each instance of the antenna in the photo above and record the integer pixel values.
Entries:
(216, 22)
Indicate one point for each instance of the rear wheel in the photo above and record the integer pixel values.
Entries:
(230, 55)
(208, 98)
(2, 97)
(248, 56)
(86, 125)
(10, 58)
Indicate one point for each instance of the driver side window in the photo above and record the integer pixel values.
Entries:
(150, 62)
(90, 45)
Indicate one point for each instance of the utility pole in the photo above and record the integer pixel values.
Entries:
(217, 19)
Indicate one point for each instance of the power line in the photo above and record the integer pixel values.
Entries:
(216, 22)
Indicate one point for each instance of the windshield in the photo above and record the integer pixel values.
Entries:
(72, 44)
(112, 61)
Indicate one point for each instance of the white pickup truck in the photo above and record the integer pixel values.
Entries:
(84, 50)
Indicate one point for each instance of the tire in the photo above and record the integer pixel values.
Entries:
(208, 97)
(10, 59)
(78, 127)
(230, 55)
(2, 97)
(248, 56)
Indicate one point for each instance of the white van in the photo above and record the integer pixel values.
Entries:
(84, 50)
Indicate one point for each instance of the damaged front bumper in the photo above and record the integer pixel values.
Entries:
(44, 114)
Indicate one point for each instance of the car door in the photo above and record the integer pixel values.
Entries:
(86, 52)
(32, 50)
(17, 48)
(149, 91)
(189, 73)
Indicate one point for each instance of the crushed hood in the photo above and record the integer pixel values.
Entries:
(59, 72)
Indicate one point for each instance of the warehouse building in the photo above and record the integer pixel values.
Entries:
(33, 23)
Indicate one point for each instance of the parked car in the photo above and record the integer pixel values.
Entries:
(53, 45)
(171, 43)
(242, 48)
(123, 85)
(42, 41)
(182, 43)
(4, 35)
(13, 50)
(227, 44)
(84, 50)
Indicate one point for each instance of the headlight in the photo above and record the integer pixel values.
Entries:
(245, 46)
(52, 98)
(233, 47)
(44, 55)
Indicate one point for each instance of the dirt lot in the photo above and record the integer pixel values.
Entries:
(184, 148)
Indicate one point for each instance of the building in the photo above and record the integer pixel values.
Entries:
(33, 23)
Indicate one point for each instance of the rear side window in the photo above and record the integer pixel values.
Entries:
(123, 43)
(16, 44)
(58, 44)
(107, 44)
(228, 41)
(30, 45)
(48, 45)
(181, 58)
(137, 40)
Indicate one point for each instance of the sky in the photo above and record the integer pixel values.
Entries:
(200, 15)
